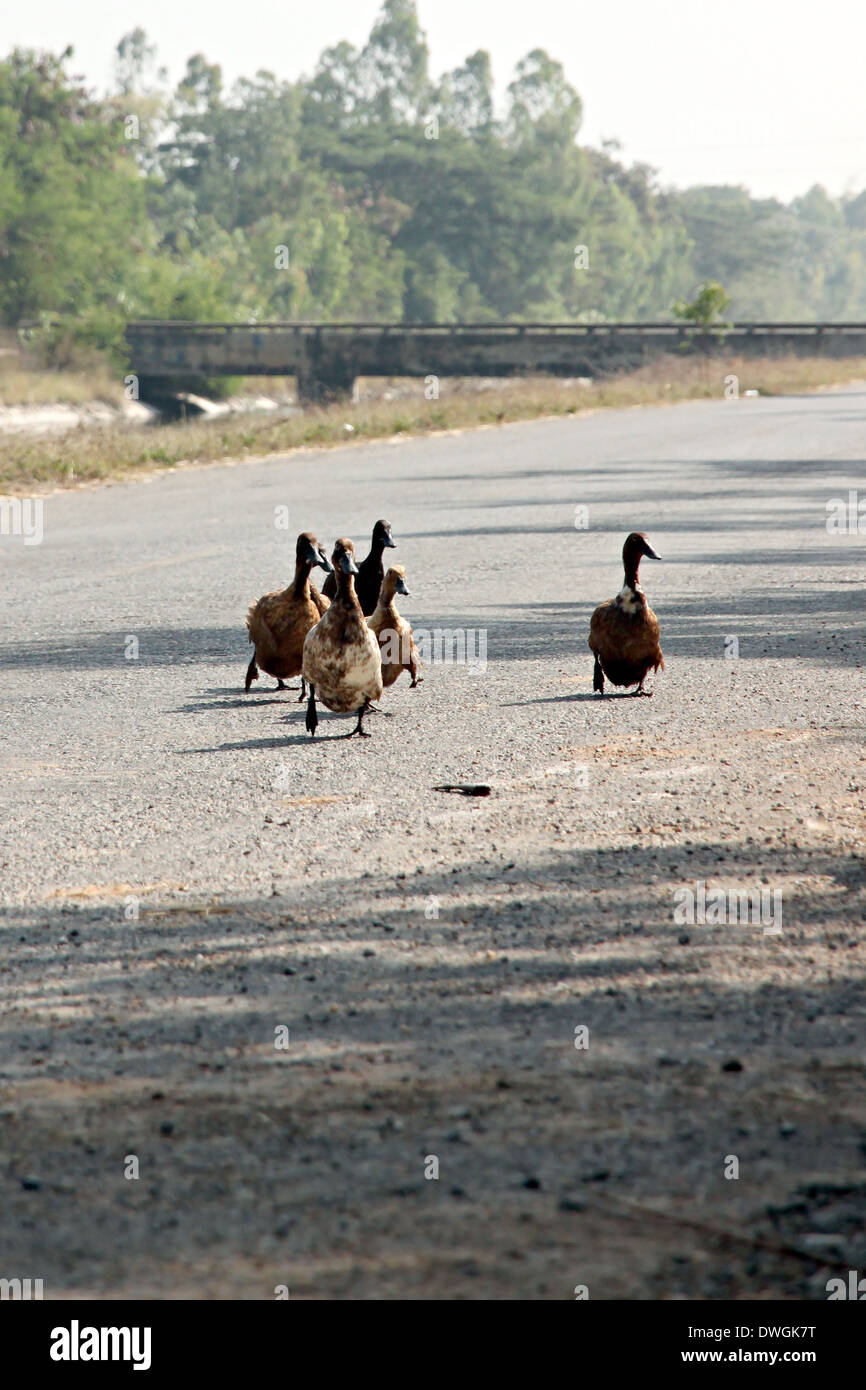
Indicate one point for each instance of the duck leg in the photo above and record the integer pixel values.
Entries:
(598, 676)
(312, 718)
(412, 668)
(640, 690)
(303, 695)
(362, 733)
(252, 675)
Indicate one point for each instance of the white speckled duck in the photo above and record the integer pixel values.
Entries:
(341, 661)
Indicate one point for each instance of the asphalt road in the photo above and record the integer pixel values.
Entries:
(184, 873)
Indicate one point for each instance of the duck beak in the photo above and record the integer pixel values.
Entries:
(391, 544)
(325, 563)
(347, 564)
(649, 552)
(401, 587)
(315, 557)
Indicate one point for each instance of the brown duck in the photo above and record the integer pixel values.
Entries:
(624, 632)
(279, 622)
(371, 571)
(341, 655)
(393, 633)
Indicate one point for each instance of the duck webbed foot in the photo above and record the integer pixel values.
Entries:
(312, 718)
(252, 675)
(598, 676)
(358, 729)
(640, 691)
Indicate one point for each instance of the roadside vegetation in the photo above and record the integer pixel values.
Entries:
(88, 454)
(369, 189)
(18, 386)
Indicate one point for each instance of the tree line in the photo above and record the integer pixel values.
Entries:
(372, 191)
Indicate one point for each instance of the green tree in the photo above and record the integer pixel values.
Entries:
(465, 96)
(393, 68)
(179, 204)
(71, 198)
(711, 300)
(543, 106)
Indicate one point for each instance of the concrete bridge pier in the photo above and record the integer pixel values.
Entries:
(315, 388)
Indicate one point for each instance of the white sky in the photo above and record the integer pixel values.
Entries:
(769, 93)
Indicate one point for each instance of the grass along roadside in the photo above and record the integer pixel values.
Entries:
(103, 452)
(23, 386)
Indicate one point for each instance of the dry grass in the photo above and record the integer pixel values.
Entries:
(22, 382)
(95, 453)
(20, 386)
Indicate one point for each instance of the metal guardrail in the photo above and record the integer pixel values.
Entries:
(327, 358)
(515, 329)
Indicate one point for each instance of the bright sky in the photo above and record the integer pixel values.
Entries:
(769, 93)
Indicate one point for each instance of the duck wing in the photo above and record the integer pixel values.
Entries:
(275, 612)
(321, 602)
(652, 633)
(259, 618)
(600, 625)
(626, 641)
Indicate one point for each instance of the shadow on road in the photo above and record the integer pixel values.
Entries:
(453, 1037)
(797, 623)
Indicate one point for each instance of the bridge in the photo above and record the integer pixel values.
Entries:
(327, 357)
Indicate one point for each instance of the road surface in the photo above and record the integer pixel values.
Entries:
(280, 980)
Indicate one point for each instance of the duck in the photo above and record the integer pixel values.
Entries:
(624, 632)
(278, 622)
(393, 633)
(341, 661)
(371, 571)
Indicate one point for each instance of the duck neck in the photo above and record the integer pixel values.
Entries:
(632, 565)
(346, 590)
(377, 550)
(386, 606)
(301, 585)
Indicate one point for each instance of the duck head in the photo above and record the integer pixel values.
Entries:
(310, 553)
(382, 539)
(636, 546)
(343, 558)
(394, 583)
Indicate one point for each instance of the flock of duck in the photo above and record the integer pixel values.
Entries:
(349, 642)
